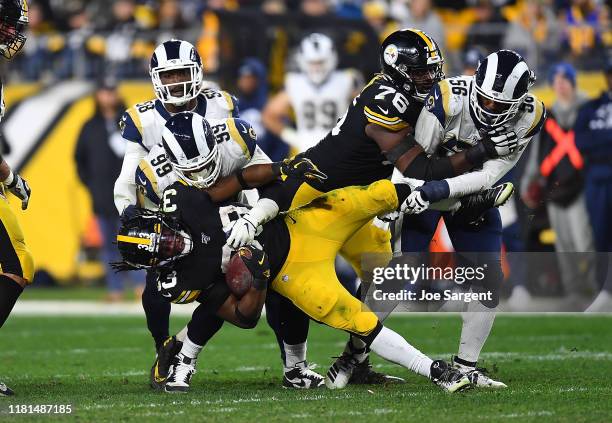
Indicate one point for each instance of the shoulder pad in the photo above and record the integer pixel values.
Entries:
(243, 134)
(534, 115)
(131, 126)
(225, 104)
(383, 105)
(147, 181)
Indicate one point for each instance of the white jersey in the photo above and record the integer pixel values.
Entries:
(318, 107)
(446, 126)
(142, 125)
(237, 145)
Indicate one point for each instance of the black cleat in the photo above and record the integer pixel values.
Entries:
(447, 377)
(364, 375)
(301, 376)
(163, 360)
(5, 391)
(474, 206)
(180, 373)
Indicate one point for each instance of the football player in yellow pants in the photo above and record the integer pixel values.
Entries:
(295, 253)
(16, 264)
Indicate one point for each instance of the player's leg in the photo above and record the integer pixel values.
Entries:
(314, 288)
(16, 267)
(483, 245)
(290, 326)
(200, 329)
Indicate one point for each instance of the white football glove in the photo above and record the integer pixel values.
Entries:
(20, 189)
(242, 233)
(414, 204)
(502, 140)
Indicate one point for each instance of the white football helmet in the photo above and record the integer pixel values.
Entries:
(176, 55)
(317, 57)
(192, 149)
(500, 86)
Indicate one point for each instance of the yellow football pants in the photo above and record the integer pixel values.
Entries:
(366, 239)
(318, 231)
(15, 258)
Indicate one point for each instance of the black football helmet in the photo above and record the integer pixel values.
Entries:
(413, 60)
(13, 23)
(151, 239)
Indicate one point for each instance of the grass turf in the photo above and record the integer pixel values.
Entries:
(557, 367)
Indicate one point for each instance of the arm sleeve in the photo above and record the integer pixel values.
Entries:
(479, 180)
(125, 185)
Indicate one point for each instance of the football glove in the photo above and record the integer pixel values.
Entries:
(500, 142)
(20, 189)
(414, 204)
(256, 261)
(299, 168)
(243, 232)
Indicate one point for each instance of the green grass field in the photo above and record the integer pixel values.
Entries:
(558, 369)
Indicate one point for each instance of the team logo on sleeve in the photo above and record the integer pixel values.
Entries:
(390, 54)
(429, 104)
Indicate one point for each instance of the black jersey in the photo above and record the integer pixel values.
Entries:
(347, 155)
(201, 274)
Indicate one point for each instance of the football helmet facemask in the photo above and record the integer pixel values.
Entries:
(151, 239)
(413, 60)
(176, 72)
(13, 23)
(499, 87)
(192, 149)
(317, 57)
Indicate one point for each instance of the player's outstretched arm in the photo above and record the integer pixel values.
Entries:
(401, 149)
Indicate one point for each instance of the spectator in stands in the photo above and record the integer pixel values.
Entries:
(471, 58)
(585, 23)
(554, 174)
(423, 17)
(169, 16)
(99, 155)
(252, 93)
(316, 8)
(533, 33)
(376, 13)
(594, 140)
(488, 29)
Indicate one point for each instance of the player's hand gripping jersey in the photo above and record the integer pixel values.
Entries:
(237, 145)
(142, 125)
(447, 125)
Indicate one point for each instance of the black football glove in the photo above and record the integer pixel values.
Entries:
(20, 189)
(299, 168)
(256, 261)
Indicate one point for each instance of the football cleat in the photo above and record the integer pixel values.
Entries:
(364, 375)
(447, 377)
(478, 376)
(180, 373)
(301, 376)
(163, 359)
(5, 391)
(475, 205)
(340, 372)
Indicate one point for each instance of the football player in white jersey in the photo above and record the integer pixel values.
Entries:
(16, 264)
(178, 78)
(318, 95)
(460, 112)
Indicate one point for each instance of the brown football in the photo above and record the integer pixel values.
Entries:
(238, 277)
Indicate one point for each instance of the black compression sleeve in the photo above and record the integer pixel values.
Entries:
(403, 191)
(430, 168)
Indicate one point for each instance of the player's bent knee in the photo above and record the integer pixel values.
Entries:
(383, 191)
(364, 323)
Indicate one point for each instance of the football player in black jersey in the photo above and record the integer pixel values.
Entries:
(16, 264)
(369, 141)
(292, 255)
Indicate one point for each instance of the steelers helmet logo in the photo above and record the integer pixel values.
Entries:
(390, 54)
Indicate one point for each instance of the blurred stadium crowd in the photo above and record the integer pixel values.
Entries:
(247, 48)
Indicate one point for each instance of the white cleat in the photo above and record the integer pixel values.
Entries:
(478, 377)
(301, 376)
(340, 372)
(180, 373)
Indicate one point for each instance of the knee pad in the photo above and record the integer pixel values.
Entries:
(364, 322)
(383, 191)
